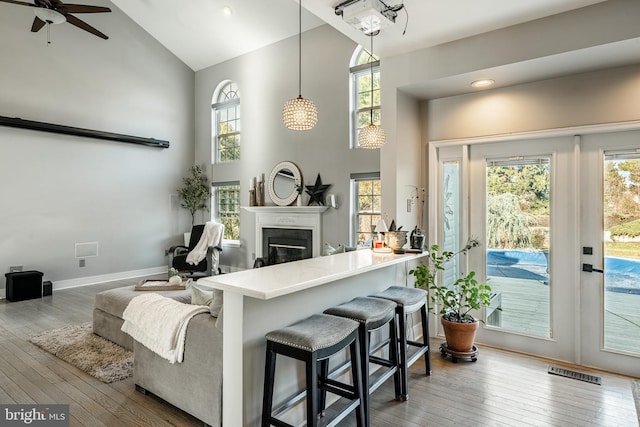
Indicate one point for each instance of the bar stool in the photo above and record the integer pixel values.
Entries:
(314, 340)
(372, 314)
(408, 301)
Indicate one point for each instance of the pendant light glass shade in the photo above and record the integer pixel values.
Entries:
(299, 113)
(372, 136)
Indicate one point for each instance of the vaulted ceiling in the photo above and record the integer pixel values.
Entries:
(201, 34)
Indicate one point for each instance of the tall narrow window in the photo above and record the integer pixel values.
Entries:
(362, 103)
(226, 123)
(226, 208)
(451, 218)
(367, 205)
(518, 244)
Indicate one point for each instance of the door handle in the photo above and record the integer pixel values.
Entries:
(589, 269)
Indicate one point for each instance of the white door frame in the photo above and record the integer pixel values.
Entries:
(574, 349)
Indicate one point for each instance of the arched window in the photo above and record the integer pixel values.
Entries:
(225, 110)
(362, 103)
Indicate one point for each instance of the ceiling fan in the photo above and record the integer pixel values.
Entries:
(56, 12)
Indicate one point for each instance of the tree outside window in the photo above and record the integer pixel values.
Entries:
(368, 206)
(226, 119)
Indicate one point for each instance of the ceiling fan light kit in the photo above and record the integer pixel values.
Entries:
(50, 16)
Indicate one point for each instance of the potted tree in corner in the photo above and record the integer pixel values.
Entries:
(194, 193)
(454, 302)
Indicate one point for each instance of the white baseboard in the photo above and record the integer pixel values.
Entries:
(92, 280)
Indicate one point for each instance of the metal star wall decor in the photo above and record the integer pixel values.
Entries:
(316, 192)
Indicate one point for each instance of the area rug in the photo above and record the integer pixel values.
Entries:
(636, 397)
(80, 347)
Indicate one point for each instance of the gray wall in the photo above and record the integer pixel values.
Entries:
(267, 78)
(60, 190)
(509, 52)
(606, 96)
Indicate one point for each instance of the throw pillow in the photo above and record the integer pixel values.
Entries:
(212, 298)
(216, 305)
(201, 296)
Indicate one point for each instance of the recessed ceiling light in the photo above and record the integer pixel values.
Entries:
(227, 10)
(482, 83)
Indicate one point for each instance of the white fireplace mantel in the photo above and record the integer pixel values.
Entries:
(290, 217)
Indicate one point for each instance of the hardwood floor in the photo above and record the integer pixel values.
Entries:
(500, 389)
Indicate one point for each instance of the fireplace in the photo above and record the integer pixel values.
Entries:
(285, 244)
(299, 226)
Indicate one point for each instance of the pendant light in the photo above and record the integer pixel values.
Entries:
(299, 113)
(372, 136)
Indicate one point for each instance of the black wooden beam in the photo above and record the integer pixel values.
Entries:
(89, 133)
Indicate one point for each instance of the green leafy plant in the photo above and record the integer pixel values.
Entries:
(455, 302)
(195, 192)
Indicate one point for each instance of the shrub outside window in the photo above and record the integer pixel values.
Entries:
(226, 208)
(367, 202)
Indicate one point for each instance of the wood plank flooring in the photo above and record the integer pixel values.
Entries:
(500, 389)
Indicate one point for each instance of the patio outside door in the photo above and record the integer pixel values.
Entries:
(610, 204)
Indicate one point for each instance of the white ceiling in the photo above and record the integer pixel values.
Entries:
(201, 35)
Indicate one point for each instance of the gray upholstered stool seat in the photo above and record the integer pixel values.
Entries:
(409, 300)
(372, 314)
(314, 340)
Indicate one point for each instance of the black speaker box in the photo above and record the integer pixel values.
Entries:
(23, 285)
(47, 288)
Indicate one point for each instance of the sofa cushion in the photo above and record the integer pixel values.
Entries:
(114, 301)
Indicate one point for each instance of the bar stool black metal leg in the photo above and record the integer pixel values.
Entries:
(312, 390)
(269, 374)
(393, 356)
(425, 338)
(402, 363)
(356, 373)
(322, 397)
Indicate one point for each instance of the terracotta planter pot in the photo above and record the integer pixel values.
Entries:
(459, 336)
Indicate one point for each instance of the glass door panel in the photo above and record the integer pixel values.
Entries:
(518, 245)
(621, 210)
(451, 218)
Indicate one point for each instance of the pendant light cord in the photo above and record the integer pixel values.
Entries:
(371, 58)
(300, 48)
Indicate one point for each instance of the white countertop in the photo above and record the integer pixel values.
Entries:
(282, 279)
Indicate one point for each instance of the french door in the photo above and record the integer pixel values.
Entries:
(610, 251)
(543, 208)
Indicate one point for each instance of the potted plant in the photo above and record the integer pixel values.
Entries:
(395, 238)
(455, 302)
(195, 192)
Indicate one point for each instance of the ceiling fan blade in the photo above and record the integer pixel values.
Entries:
(37, 25)
(81, 8)
(23, 3)
(83, 25)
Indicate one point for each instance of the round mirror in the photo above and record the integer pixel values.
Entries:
(284, 179)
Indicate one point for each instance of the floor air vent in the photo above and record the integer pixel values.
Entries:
(575, 375)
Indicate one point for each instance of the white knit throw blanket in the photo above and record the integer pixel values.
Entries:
(160, 324)
(211, 236)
